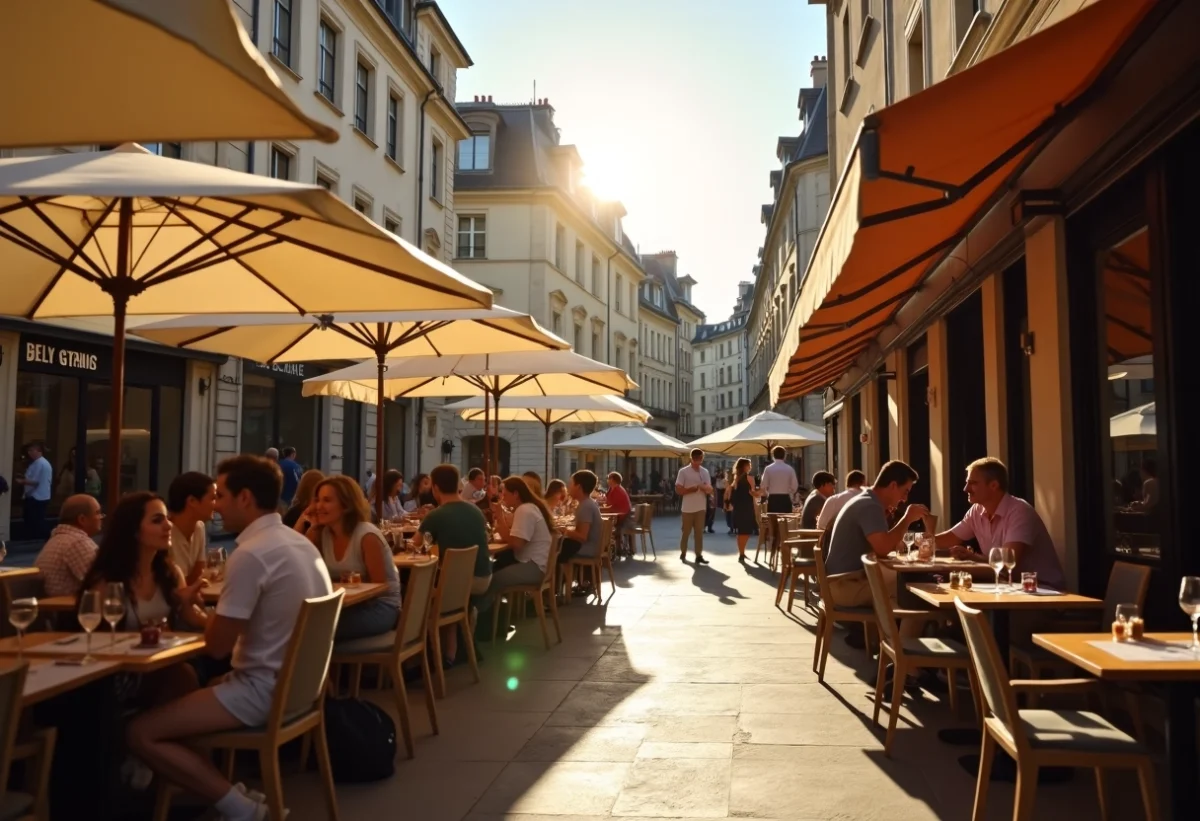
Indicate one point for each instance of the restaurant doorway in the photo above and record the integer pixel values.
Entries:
(1019, 413)
(918, 421)
(968, 424)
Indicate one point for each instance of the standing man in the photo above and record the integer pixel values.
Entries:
(779, 483)
(190, 500)
(273, 454)
(37, 491)
(693, 486)
(823, 487)
(292, 471)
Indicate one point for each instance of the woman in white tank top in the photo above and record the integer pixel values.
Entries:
(348, 542)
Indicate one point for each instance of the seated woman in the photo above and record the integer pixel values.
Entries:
(527, 531)
(135, 553)
(304, 496)
(422, 494)
(556, 494)
(534, 481)
(343, 533)
(392, 507)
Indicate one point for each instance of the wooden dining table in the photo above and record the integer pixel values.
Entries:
(405, 560)
(354, 595)
(124, 651)
(1163, 658)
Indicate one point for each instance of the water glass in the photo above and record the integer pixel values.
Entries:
(114, 608)
(1189, 602)
(21, 614)
(902, 549)
(90, 616)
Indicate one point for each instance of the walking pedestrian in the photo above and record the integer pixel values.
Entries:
(742, 496)
(779, 483)
(694, 487)
(37, 491)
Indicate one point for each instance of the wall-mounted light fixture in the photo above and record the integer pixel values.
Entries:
(202, 386)
(1026, 342)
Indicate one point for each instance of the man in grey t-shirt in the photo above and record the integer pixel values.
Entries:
(583, 540)
(862, 527)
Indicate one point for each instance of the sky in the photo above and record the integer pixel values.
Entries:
(674, 105)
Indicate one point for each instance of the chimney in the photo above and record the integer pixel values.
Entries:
(489, 98)
(820, 71)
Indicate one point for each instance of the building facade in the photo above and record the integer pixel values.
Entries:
(383, 73)
(528, 228)
(1043, 317)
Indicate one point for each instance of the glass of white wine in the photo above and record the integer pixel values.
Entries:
(910, 539)
(89, 618)
(1010, 561)
(3, 551)
(1189, 602)
(114, 608)
(21, 614)
(996, 560)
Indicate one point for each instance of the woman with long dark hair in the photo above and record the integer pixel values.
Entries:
(304, 496)
(393, 508)
(422, 494)
(527, 530)
(742, 497)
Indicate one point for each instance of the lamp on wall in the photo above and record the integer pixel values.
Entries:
(447, 448)
(202, 386)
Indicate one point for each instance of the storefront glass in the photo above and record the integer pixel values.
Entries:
(136, 430)
(275, 413)
(46, 413)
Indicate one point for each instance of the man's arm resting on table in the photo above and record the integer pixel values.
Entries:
(221, 634)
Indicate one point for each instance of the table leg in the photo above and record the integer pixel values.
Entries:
(1181, 749)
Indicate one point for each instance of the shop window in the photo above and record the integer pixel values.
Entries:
(46, 414)
(136, 431)
(169, 444)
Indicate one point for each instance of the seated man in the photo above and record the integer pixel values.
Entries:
(190, 501)
(824, 486)
(583, 540)
(67, 556)
(997, 519)
(855, 480)
(268, 577)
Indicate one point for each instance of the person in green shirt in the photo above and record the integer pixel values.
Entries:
(456, 523)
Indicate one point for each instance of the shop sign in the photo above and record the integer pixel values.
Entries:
(287, 371)
(49, 354)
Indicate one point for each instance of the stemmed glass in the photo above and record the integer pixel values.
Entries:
(3, 551)
(214, 563)
(427, 539)
(1189, 602)
(1010, 561)
(114, 608)
(89, 618)
(21, 614)
(910, 538)
(996, 560)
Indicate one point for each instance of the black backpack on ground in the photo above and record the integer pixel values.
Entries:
(362, 741)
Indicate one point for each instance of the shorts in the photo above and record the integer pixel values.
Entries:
(247, 698)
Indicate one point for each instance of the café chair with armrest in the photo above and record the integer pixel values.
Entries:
(392, 649)
(452, 606)
(541, 590)
(297, 710)
(829, 614)
(1044, 738)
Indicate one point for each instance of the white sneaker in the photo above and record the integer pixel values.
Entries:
(261, 811)
(253, 795)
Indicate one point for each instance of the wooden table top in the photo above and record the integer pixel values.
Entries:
(938, 565)
(942, 597)
(45, 679)
(1077, 649)
(7, 573)
(72, 645)
(405, 560)
(355, 595)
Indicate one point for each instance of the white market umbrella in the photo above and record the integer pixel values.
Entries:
(761, 431)
(1140, 423)
(127, 232)
(146, 70)
(272, 338)
(494, 376)
(552, 410)
(630, 440)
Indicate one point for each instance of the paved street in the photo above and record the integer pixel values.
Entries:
(688, 696)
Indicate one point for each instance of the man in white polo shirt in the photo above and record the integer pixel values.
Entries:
(267, 578)
(694, 487)
(779, 483)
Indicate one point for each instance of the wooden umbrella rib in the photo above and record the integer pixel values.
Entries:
(497, 325)
(146, 245)
(25, 202)
(416, 387)
(67, 241)
(187, 249)
(65, 264)
(206, 335)
(292, 344)
(196, 266)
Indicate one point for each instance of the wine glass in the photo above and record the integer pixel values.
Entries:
(3, 550)
(910, 538)
(214, 563)
(21, 614)
(114, 607)
(427, 540)
(89, 617)
(1189, 602)
(996, 560)
(1010, 561)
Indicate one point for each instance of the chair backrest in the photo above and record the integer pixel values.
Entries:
(22, 587)
(998, 699)
(607, 525)
(12, 685)
(301, 679)
(1127, 584)
(881, 600)
(454, 580)
(822, 578)
(645, 515)
(414, 613)
(552, 560)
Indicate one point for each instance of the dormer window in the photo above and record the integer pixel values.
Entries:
(474, 153)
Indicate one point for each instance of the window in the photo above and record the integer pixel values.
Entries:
(435, 171)
(172, 150)
(847, 50)
(435, 64)
(281, 163)
(703, 380)
(391, 225)
(596, 276)
(578, 338)
(632, 301)
(580, 256)
(327, 62)
(916, 60)
(739, 396)
(632, 363)
(620, 357)
(362, 97)
(560, 248)
(620, 287)
(474, 153)
(363, 205)
(471, 237)
(281, 38)
(392, 138)
(703, 425)
(597, 349)
(326, 182)
(703, 402)
(400, 13)
(556, 323)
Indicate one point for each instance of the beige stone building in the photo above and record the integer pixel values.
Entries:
(528, 228)
(1006, 268)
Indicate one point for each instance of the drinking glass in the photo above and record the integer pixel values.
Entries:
(3, 551)
(902, 549)
(114, 608)
(427, 540)
(21, 614)
(910, 539)
(996, 560)
(1189, 602)
(89, 618)
(1010, 561)
(214, 563)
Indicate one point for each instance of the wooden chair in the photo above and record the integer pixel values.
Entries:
(536, 591)
(764, 528)
(297, 710)
(594, 564)
(643, 518)
(797, 545)
(392, 649)
(828, 614)
(452, 606)
(908, 654)
(1044, 738)
(32, 804)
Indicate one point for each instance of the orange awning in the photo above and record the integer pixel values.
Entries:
(921, 174)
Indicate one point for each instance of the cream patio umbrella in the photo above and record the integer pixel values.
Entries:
(534, 373)
(631, 440)
(552, 410)
(274, 338)
(760, 432)
(127, 232)
(103, 72)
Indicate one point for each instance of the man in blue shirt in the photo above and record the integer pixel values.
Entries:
(37, 491)
(292, 471)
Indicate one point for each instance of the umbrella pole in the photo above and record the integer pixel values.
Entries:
(547, 475)
(379, 434)
(487, 446)
(496, 437)
(120, 295)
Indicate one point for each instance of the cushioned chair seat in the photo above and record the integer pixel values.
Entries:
(15, 805)
(383, 643)
(804, 562)
(1076, 730)
(932, 647)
